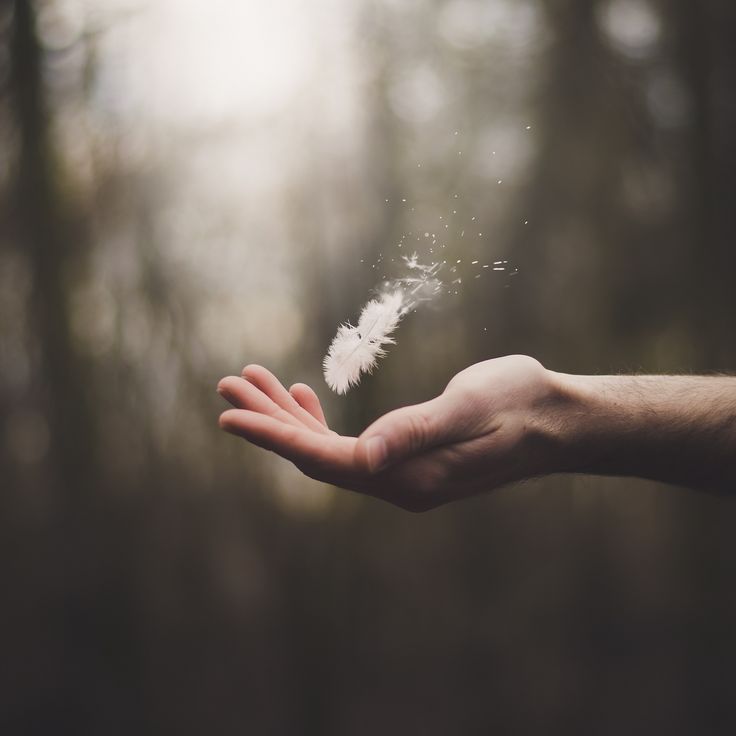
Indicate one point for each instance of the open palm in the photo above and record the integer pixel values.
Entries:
(481, 432)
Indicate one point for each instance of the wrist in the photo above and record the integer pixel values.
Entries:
(558, 424)
(581, 420)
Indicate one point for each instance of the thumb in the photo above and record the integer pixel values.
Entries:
(405, 432)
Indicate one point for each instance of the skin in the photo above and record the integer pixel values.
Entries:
(498, 422)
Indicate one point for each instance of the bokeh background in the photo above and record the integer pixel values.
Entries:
(190, 186)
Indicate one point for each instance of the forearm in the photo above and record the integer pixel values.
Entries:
(677, 429)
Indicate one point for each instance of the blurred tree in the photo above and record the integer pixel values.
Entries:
(53, 241)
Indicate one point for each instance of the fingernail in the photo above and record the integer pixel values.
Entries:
(377, 453)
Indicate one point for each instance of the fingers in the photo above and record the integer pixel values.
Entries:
(243, 395)
(264, 380)
(406, 432)
(309, 401)
(327, 454)
(270, 385)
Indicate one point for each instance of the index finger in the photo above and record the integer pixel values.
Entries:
(327, 453)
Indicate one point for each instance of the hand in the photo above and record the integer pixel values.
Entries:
(482, 432)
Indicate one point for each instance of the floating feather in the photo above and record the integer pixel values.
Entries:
(357, 348)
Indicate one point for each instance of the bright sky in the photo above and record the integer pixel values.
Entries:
(216, 59)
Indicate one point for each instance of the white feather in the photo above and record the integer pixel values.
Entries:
(356, 349)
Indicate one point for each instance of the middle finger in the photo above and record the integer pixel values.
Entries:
(274, 389)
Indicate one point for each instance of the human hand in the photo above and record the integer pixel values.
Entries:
(485, 430)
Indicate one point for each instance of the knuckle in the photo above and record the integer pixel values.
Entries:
(420, 430)
(289, 433)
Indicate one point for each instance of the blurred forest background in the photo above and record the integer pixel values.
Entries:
(190, 186)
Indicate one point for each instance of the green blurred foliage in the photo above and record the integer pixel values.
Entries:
(159, 576)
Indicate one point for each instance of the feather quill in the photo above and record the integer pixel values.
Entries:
(357, 348)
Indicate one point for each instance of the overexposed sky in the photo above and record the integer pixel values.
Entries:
(208, 61)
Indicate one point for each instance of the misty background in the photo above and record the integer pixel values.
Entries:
(187, 187)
